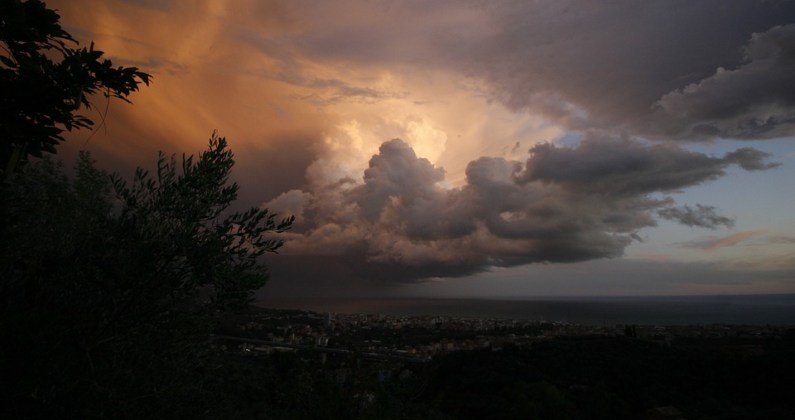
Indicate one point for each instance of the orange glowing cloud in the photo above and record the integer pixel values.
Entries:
(293, 115)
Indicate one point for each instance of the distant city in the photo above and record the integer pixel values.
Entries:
(437, 366)
(417, 339)
(595, 311)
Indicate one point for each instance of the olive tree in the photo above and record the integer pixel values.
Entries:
(109, 289)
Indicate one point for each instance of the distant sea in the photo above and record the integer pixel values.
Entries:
(657, 310)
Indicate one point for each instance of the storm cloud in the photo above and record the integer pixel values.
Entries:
(307, 92)
(564, 204)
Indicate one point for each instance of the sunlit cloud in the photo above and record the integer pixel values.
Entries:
(485, 100)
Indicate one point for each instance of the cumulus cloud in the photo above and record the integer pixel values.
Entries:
(402, 222)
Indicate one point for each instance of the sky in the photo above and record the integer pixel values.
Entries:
(478, 148)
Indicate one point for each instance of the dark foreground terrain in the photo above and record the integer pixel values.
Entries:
(578, 377)
(300, 365)
(519, 371)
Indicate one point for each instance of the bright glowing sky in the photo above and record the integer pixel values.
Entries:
(636, 114)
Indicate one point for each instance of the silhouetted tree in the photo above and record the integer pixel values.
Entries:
(109, 290)
(45, 82)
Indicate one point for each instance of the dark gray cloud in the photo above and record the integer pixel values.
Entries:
(661, 69)
(700, 216)
(750, 159)
(753, 100)
(625, 167)
(565, 204)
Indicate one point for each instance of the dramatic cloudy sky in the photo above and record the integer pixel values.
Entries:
(480, 148)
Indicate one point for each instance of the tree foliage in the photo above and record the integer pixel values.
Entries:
(109, 289)
(45, 81)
